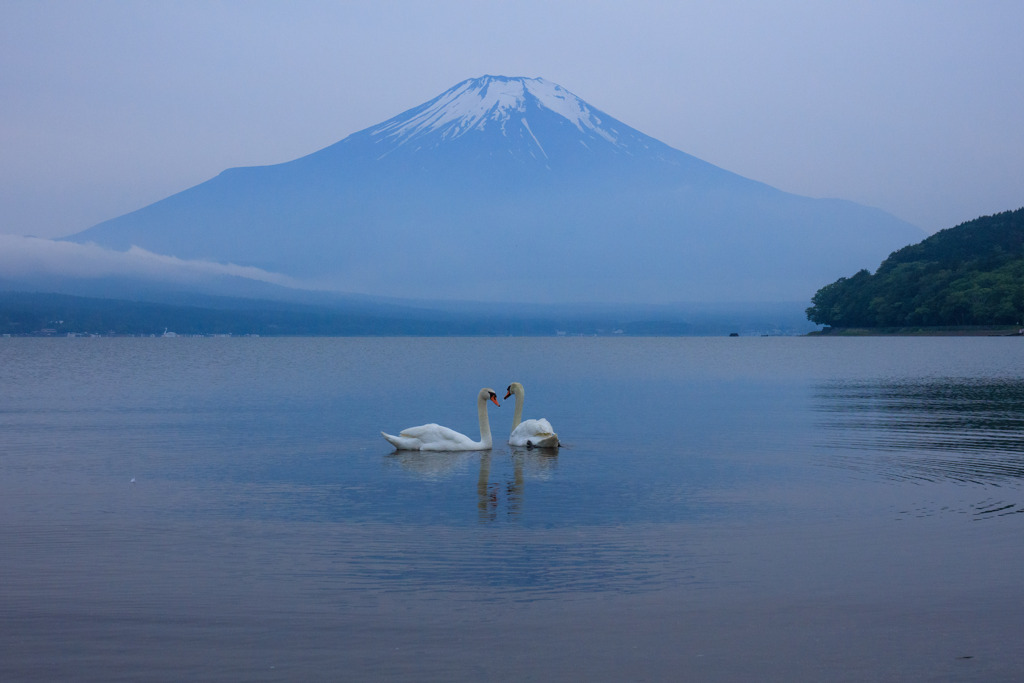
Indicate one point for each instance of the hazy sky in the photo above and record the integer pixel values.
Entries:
(916, 107)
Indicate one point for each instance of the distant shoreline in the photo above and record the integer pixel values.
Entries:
(920, 331)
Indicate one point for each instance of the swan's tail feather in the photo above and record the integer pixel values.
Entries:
(393, 440)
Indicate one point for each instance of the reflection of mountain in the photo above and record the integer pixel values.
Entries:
(954, 430)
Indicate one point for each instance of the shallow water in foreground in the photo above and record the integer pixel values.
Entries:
(722, 509)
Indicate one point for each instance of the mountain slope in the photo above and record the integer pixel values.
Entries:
(513, 189)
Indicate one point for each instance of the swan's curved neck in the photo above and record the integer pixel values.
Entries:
(517, 416)
(485, 423)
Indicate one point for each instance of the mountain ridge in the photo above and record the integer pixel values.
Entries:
(486, 193)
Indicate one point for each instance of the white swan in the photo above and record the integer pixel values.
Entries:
(531, 433)
(434, 437)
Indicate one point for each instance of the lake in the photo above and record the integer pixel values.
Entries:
(773, 509)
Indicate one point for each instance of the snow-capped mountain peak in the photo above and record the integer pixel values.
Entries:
(498, 102)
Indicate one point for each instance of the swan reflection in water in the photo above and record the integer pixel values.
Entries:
(434, 466)
(537, 464)
(493, 489)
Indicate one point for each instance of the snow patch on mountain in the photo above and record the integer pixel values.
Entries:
(526, 125)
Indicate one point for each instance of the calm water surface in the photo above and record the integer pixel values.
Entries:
(722, 509)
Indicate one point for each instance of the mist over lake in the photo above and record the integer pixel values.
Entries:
(721, 509)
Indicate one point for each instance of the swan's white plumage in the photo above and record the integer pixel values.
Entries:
(529, 433)
(434, 437)
(534, 434)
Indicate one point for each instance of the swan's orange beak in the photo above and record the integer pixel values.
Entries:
(506, 396)
(494, 400)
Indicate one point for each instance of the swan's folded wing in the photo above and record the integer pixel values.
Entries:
(528, 427)
(434, 437)
(421, 431)
(544, 426)
(536, 433)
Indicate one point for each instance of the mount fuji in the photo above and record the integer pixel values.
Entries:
(514, 189)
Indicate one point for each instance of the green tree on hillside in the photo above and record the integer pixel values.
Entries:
(972, 274)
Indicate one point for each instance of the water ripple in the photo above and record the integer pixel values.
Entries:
(937, 430)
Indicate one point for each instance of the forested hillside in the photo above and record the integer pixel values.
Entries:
(972, 274)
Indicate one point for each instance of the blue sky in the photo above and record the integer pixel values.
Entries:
(911, 106)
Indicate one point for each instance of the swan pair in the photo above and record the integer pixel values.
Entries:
(434, 437)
